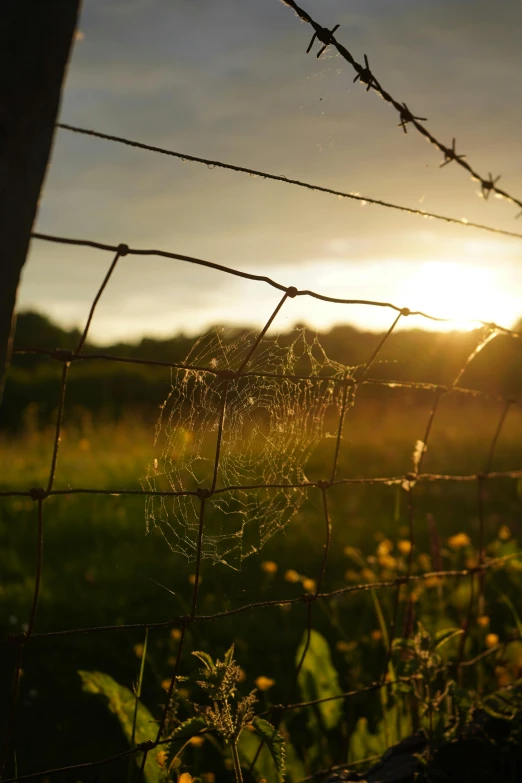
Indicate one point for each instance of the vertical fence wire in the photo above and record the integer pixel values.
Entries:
(348, 385)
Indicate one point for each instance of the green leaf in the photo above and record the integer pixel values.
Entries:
(248, 745)
(514, 612)
(183, 733)
(459, 597)
(274, 742)
(229, 656)
(205, 659)
(403, 644)
(442, 637)
(318, 679)
(364, 744)
(121, 702)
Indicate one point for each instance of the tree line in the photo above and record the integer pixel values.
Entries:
(115, 389)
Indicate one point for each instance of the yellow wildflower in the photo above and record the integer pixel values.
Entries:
(241, 675)
(355, 554)
(292, 576)
(309, 585)
(138, 649)
(161, 758)
(208, 777)
(502, 675)
(351, 575)
(404, 546)
(175, 634)
(84, 444)
(166, 684)
(192, 579)
(424, 561)
(471, 562)
(269, 567)
(343, 646)
(368, 574)
(387, 561)
(384, 547)
(492, 639)
(376, 635)
(186, 777)
(197, 741)
(432, 581)
(483, 621)
(264, 683)
(504, 533)
(459, 540)
(184, 693)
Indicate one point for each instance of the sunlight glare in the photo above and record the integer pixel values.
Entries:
(462, 292)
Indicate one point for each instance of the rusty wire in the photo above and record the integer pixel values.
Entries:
(222, 380)
(219, 164)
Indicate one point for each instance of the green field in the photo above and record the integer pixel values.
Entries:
(100, 567)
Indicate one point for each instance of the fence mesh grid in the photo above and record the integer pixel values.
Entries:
(222, 379)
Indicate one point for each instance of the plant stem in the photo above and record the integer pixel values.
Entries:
(136, 703)
(237, 765)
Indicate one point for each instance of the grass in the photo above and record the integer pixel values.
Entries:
(99, 566)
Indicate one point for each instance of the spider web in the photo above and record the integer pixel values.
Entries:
(271, 426)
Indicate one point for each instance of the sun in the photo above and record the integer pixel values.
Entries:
(462, 292)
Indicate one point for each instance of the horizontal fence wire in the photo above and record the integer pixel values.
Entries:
(368, 79)
(291, 291)
(219, 164)
(359, 375)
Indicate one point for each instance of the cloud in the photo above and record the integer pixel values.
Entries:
(231, 80)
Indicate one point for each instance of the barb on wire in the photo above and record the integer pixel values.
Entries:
(488, 185)
(326, 39)
(212, 164)
(405, 115)
(365, 75)
(450, 153)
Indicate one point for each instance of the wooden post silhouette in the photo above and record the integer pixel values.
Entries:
(35, 41)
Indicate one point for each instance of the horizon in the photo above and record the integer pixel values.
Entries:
(407, 326)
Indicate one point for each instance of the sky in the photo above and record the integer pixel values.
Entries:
(231, 80)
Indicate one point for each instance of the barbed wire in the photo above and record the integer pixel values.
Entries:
(203, 494)
(368, 79)
(219, 164)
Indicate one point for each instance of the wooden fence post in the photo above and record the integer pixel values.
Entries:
(35, 41)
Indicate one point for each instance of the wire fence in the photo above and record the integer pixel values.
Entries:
(223, 379)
